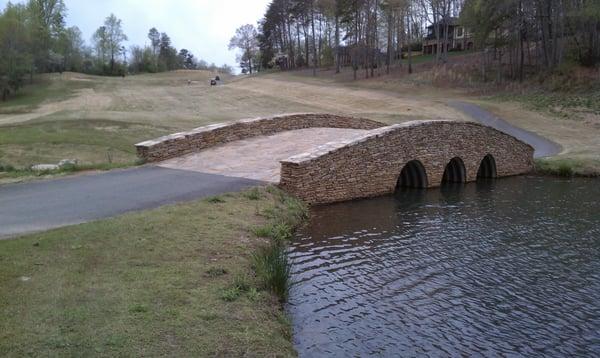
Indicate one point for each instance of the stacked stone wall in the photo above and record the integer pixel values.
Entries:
(183, 143)
(371, 164)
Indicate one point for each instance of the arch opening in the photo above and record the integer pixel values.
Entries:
(455, 172)
(487, 168)
(413, 175)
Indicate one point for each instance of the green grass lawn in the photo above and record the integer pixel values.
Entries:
(50, 87)
(98, 120)
(91, 141)
(430, 58)
(153, 283)
(573, 105)
(567, 166)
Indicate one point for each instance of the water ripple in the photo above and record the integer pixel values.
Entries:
(510, 268)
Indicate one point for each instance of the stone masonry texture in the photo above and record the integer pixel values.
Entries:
(364, 166)
(371, 164)
(179, 144)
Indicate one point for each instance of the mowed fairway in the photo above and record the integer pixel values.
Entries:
(97, 120)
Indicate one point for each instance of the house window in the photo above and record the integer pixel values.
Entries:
(459, 32)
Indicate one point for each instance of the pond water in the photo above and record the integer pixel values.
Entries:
(505, 267)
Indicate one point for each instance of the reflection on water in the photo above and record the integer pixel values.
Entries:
(493, 268)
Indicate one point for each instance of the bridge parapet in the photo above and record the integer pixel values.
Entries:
(371, 164)
(183, 143)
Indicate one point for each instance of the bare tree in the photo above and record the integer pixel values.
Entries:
(114, 37)
(245, 39)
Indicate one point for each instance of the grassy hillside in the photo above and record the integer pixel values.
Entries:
(175, 281)
(97, 120)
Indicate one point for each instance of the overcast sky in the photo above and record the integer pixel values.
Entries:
(202, 26)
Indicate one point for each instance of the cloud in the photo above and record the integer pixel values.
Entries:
(202, 26)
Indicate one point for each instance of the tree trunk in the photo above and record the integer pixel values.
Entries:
(409, 41)
(375, 52)
(354, 61)
(290, 42)
(306, 45)
(367, 51)
(312, 15)
(337, 40)
(320, 39)
(446, 19)
(545, 34)
(521, 42)
(399, 38)
(483, 60)
(112, 62)
(298, 38)
(389, 41)
(436, 28)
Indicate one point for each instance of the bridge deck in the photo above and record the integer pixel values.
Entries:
(259, 158)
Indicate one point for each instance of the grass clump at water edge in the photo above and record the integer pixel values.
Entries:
(270, 262)
(273, 268)
(567, 167)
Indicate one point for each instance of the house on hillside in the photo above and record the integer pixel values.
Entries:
(459, 38)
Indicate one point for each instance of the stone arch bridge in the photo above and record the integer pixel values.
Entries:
(374, 160)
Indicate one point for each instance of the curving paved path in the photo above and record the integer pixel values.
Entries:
(543, 146)
(43, 205)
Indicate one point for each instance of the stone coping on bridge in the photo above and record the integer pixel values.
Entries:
(329, 147)
(182, 143)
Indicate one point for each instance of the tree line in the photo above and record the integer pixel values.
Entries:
(514, 36)
(34, 38)
(536, 35)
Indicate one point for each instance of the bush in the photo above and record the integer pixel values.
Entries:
(273, 269)
(415, 47)
(262, 231)
(230, 294)
(253, 294)
(270, 262)
(253, 194)
(241, 283)
(565, 170)
(216, 272)
(279, 232)
(215, 200)
(68, 168)
(559, 167)
(6, 168)
(290, 211)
